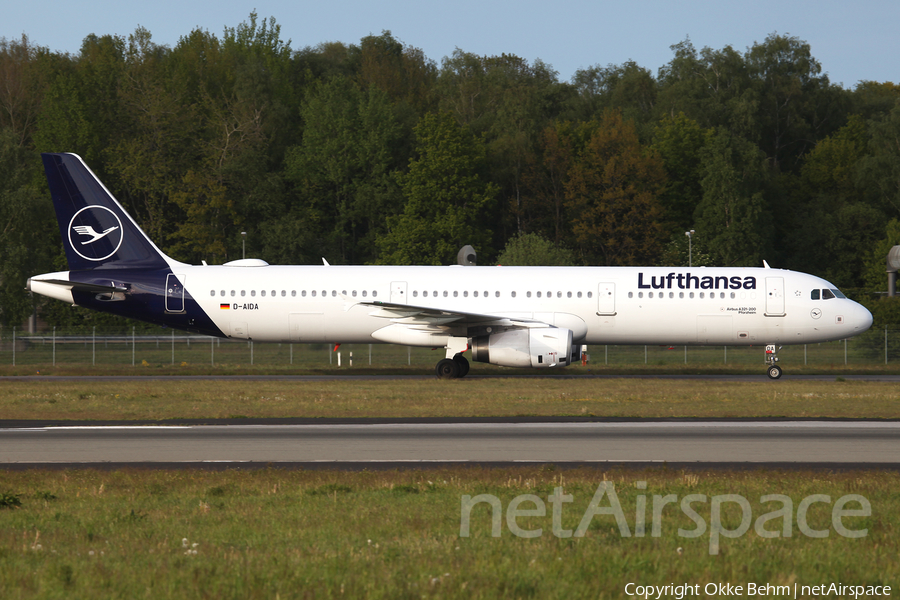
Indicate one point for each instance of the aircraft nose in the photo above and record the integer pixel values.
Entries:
(862, 318)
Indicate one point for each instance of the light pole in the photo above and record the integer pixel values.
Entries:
(243, 244)
(690, 237)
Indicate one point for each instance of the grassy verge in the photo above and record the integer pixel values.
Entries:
(273, 533)
(164, 399)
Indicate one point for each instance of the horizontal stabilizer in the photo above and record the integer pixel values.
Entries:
(77, 286)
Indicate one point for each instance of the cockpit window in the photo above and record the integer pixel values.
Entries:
(826, 294)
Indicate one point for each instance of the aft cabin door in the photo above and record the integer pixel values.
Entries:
(174, 293)
(774, 296)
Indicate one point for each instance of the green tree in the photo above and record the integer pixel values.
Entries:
(875, 267)
(628, 88)
(446, 198)
(712, 87)
(731, 220)
(797, 104)
(401, 72)
(342, 169)
(154, 149)
(28, 233)
(542, 206)
(613, 196)
(879, 170)
(507, 101)
(530, 249)
(836, 222)
(23, 71)
(680, 141)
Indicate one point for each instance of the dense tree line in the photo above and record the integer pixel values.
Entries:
(373, 153)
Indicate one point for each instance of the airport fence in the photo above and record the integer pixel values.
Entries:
(168, 347)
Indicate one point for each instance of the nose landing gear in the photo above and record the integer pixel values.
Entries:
(772, 369)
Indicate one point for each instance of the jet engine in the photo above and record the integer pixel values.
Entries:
(537, 347)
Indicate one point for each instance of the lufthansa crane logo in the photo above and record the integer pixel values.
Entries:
(95, 233)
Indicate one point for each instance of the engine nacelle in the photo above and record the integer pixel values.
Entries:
(538, 347)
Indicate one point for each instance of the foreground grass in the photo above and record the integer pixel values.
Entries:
(168, 399)
(396, 534)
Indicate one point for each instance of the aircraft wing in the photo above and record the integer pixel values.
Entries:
(421, 317)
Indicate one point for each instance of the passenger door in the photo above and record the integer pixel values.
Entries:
(606, 299)
(174, 293)
(774, 296)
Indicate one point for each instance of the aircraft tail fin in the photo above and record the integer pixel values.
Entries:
(96, 231)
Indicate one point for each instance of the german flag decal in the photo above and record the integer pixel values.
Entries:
(224, 306)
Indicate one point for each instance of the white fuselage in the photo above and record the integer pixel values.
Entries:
(602, 305)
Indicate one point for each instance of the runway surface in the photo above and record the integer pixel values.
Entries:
(745, 442)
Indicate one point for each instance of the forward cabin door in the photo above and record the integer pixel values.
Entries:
(774, 296)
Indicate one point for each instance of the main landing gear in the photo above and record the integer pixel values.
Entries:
(772, 369)
(451, 368)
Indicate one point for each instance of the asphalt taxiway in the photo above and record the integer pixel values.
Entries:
(808, 443)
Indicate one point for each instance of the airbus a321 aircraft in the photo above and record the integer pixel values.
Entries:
(510, 316)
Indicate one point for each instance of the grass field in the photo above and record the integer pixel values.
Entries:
(397, 534)
(426, 397)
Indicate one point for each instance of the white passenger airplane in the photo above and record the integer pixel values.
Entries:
(510, 316)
